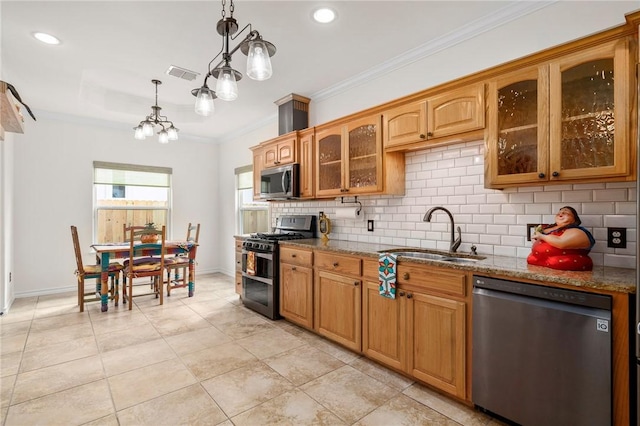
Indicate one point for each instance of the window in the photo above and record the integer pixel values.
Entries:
(127, 194)
(253, 216)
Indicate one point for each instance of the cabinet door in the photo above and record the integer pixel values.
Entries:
(281, 152)
(384, 327)
(337, 315)
(457, 111)
(307, 165)
(589, 110)
(437, 342)
(517, 133)
(364, 156)
(296, 294)
(258, 165)
(329, 161)
(405, 124)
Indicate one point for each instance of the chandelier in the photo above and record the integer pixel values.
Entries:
(146, 127)
(258, 53)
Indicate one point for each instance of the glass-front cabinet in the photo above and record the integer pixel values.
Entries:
(349, 158)
(565, 120)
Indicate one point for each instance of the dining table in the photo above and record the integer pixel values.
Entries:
(106, 252)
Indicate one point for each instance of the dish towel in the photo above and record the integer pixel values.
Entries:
(251, 263)
(387, 275)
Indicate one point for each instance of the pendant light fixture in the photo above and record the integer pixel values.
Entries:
(146, 127)
(258, 53)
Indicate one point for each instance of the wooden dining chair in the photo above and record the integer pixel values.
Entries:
(149, 268)
(181, 262)
(85, 271)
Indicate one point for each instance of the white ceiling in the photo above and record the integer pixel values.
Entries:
(111, 50)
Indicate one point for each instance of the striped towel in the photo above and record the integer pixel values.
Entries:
(387, 274)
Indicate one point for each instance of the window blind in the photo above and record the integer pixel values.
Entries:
(131, 174)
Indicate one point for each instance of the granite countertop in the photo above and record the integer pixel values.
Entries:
(601, 278)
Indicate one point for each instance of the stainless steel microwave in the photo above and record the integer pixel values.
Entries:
(280, 183)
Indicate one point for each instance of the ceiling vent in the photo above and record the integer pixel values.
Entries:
(182, 73)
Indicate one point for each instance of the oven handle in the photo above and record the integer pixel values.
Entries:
(267, 281)
(268, 256)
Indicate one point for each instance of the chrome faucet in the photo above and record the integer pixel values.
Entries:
(455, 242)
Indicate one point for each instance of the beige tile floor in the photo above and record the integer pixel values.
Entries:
(205, 360)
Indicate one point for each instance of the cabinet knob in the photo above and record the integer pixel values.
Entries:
(401, 294)
(335, 264)
(409, 296)
(555, 174)
(293, 255)
(405, 276)
(293, 268)
(541, 175)
(429, 134)
(356, 283)
(422, 136)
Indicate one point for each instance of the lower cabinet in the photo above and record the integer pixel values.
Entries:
(337, 308)
(296, 286)
(418, 333)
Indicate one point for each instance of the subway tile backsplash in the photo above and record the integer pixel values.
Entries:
(492, 220)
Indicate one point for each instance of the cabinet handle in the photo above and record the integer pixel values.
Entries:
(405, 276)
(335, 264)
(409, 296)
(401, 294)
(293, 255)
(555, 174)
(541, 175)
(422, 136)
(429, 134)
(356, 283)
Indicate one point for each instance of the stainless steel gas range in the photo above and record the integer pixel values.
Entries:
(261, 263)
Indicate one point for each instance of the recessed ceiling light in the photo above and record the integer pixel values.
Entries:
(46, 38)
(324, 15)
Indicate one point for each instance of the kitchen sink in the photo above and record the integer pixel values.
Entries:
(431, 255)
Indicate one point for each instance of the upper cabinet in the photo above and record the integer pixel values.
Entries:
(307, 164)
(421, 123)
(258, 162)
(562, 121)
(349, 160)
(280, 151)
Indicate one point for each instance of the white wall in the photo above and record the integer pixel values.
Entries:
(53, 178)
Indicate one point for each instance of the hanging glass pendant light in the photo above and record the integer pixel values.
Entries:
(146, 126)
(259, 67)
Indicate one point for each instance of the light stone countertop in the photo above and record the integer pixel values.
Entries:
(601, 278)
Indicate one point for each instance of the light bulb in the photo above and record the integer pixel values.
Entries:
(226, 87)
(147, 128)
(204, 102)
(139, 134)
(258, 61)
(163, 136)
(173, 133)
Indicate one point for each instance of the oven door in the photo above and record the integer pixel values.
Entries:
(258, 277)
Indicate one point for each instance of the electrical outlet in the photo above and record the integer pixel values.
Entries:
(370, 225)
(617, 237)
(531, 229)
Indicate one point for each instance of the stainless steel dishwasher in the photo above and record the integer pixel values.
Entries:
(541, 355)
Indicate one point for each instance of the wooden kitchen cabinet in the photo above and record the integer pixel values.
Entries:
(280, 151)
(238, 253)
(258, 162)
(450, 113)
(349, 160)
(421, 332)
(337, 299)
(307, 164)
(296, 286)
(562, 121)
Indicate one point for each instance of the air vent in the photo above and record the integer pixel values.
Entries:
(183, 73)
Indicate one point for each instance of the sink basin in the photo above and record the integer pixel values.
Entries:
(430, 255)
